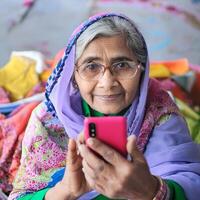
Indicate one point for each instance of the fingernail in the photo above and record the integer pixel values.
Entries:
(79, 148)
(80, 151)
(132, 136)
(90, 141)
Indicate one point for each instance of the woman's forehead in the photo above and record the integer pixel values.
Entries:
(112, 47)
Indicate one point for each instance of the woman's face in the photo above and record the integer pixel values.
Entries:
(107, 95)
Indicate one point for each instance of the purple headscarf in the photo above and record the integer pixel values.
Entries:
(65, 103)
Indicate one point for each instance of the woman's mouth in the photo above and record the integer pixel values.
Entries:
(112, 97)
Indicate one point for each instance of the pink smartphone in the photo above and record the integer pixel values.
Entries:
(110, 129)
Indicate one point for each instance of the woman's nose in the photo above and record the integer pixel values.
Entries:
(107, 80)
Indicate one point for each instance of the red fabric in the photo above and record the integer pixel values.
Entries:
(11, 135)
(195, 92)
(176, 90)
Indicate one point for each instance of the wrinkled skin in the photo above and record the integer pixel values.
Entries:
(108, 95)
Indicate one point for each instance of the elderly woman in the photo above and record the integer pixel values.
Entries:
(105, 71)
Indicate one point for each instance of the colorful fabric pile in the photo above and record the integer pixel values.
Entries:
(22, 85)
(183, 80)
(22, 80)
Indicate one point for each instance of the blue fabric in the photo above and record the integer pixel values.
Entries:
(56, 177)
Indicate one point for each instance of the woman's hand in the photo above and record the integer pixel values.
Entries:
(114, 176)
(73, 183)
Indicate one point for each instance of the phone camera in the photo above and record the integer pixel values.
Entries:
(92, 129)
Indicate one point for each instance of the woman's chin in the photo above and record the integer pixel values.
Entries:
(109, 110)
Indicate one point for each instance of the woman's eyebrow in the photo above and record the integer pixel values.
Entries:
(112, 60)
(120, 58)
(91, 58)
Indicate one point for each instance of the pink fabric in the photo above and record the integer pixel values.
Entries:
(159, 103)
(11, 135)
(4, 97)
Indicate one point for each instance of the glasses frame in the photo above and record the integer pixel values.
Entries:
(138, 66)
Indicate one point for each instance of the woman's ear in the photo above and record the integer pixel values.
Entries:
(74, 83)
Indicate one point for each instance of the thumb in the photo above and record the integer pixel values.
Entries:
(72, 157)
(71, 151)
(132, 149)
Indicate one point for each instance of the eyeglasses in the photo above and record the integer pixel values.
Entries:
(120, 70)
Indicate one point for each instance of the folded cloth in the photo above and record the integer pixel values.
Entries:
(4, 97)
(18, 77)
(11, 135)
(176, 67)
(192, 119)
(2, 195)
(37, 89)
(9, 107)
(195, 91)
(159, 71)
(186, 81)
(34, 55)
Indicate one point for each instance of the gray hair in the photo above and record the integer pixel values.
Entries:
(111, 26)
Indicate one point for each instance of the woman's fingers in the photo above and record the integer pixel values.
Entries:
(71, 152)
(71, 145)
(133, 150)
(94, 178)
(81, 138)
(88, 171)
(107, 153)
(73, 160)
(90, 157)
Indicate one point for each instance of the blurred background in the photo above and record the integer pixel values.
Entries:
(33, 34)
(171, 27)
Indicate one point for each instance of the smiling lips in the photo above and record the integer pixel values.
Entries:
(112, 97)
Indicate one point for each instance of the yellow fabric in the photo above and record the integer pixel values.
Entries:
(159, 71)
(177, 67)
(18, 76)
(45, 74)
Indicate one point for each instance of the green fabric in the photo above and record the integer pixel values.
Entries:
(101, 197)
(192, 118)
(88, 111)
(39, 195)
(176, 191)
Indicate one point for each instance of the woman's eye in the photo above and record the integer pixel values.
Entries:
(92, 67)
(121, 65)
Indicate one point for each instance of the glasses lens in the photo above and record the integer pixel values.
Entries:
(121, 70)
(124, 69)
(90, 71)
